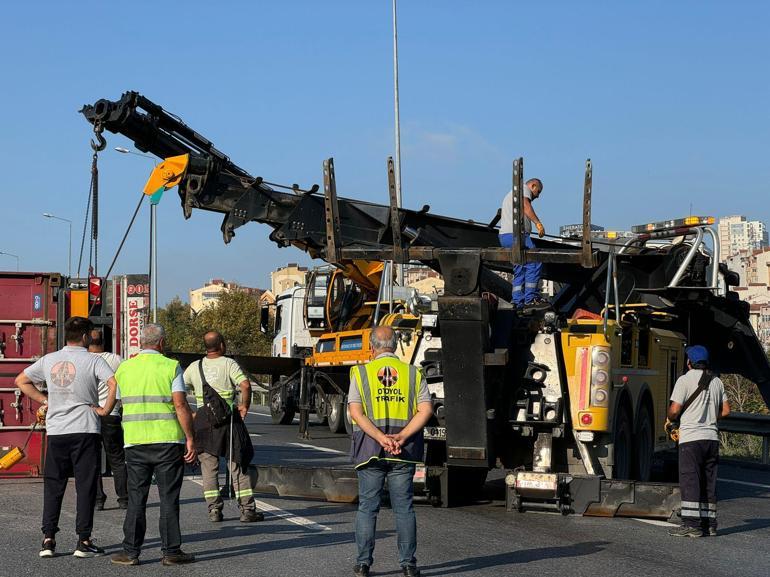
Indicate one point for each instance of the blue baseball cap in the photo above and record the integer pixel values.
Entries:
(697, 354)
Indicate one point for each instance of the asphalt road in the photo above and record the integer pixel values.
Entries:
(301, 538)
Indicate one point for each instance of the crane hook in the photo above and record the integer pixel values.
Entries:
(102, 143)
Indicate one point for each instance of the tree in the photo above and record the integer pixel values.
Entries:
(178, 321)
(235, 315)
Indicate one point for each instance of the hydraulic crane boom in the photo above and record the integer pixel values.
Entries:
(343, 230)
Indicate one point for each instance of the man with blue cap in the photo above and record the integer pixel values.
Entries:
(697, 402)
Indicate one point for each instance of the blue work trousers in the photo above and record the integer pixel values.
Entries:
(371, 482)
(526, 277)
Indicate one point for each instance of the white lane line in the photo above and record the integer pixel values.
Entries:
(655, 522)
(746, 483)
(254, 435)
(324, 449)
(259, 414)
(290, 517)
(281, 514)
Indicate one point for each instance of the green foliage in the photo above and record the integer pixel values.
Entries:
(744, 397)
(235, 315)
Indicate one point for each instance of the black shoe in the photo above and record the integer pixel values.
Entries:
(250, 516)
(361, 570)
(410, 571)
(179, 558)
(99, 506)
(685, 531)
(87, 548)
(537, 304)
(48, 548)
(122, 505)
(123, 558)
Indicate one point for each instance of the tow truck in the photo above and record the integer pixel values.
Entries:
(570, 402)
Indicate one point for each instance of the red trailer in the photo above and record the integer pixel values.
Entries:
(31, 312)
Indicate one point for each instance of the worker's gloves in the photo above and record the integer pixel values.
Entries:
(41, 414)
(540, 229)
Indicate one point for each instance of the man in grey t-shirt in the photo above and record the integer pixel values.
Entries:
(72, 376)
(526, 277)
(698, 442)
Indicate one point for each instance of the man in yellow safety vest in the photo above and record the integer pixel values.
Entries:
(389, 405)
(157, 431)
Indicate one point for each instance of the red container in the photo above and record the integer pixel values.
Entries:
(30, 316)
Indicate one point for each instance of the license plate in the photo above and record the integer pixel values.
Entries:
(539, 481)
(435, 433)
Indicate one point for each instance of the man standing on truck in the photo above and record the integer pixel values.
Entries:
(697, 402)
(112, 430)
(213, 439)
(389, 405)
(73, 448)
(526, 277)
(157, 429)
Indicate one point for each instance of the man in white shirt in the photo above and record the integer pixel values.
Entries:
(112, 430)
(526, 277)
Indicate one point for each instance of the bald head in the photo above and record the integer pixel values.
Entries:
(214, 343)
(535, 185)
(382, 340)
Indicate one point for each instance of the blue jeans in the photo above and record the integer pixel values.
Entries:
(526, 277)
(371, 481)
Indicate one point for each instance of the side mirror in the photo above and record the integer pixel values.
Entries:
(264, 319)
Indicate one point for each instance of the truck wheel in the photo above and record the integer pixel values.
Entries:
(622, 446)
(337, 417)
(644, 445)
(282, 414)
(321, 410)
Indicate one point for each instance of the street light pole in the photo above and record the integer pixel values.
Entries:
(400, 266)
(153, 241)
(69, 245)
(14, 256)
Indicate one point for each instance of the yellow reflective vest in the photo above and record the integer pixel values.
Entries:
(148, 407)
(388, 388)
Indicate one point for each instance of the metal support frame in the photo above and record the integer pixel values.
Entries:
(331, 213)
(395, 221)
(587, 254)
(517, 214)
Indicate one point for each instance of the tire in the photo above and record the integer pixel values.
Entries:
(282, 413)
(337, 417)
(622, 446)
(321, 410)
(644, 445)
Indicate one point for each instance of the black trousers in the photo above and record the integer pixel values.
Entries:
(112, 440)
(698, 461)
(165, 460)
(74, 455)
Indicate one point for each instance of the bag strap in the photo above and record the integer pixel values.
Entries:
(208, 390)
(703, 383)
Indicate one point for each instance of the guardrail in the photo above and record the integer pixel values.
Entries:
(750, 424)
(260, 393)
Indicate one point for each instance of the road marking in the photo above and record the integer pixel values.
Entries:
(254, 435)
(746, 483)
(290, 517)
(657, 522)
(259, 414)
(274, 511)
(324, 449)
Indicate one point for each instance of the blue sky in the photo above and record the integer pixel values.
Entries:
(671, 100)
